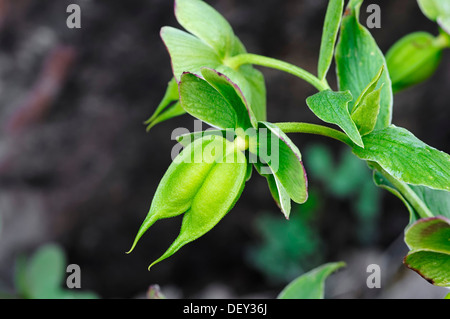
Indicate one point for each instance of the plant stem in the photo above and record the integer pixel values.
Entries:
(442, 41)
(407, 192)
(238, 60)
(308, 128)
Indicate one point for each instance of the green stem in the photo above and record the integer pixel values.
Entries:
(308, 128)
(241, 59)
(442, 41)
(407, 192)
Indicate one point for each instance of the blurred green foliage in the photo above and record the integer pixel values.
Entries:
(42, 276)
(288, 247)
(347, 178)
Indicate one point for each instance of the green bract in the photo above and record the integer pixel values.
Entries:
(209, 43)
(332, 107)
(437, 10)
(429, 241)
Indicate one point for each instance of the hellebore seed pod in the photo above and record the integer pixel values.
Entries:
(413, 59)
(205, 180)
(219, 192)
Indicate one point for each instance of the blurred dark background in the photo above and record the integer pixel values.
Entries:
(78, 168)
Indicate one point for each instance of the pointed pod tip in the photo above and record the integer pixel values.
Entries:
(153, 263)
(131, 249)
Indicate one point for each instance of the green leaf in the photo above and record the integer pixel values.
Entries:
(329, 36)
(207, 24)
(172, 111)
(413, 59)
(45, 272)
(277, 150)
(358, 60)
(310, 285)
(367, 106)
(251, 83)
(219, 191)
(279, 194)
(256, 94)
(438, 201)
(204, 102)
(232, 94)
(168, 107)
(429, 233)
(429, 241)
(332, 107)
(432, 266)
(444, 23)
(211, 43)
(434, 9)
(188, 53)
(406, 158)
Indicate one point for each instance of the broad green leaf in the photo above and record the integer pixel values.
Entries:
(413, 59)
(219, 191)
(429, 234)
(406, 158)
(180, 183)
(433, 9)
(329, 36)
(209, 44)
(438, 201)
(188, 53)
(201, 100)
(332, 107)
(251, 83)
(45, 272)
(310, 285)
(438, 11)
(285, 161)
(358, 60)
(231, 93)
(432, 266)
(429, 241)
(207, 24)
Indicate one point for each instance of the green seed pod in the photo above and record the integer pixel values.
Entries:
(413, 59)
(219, 192)
(179, 185)
(203, 182)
